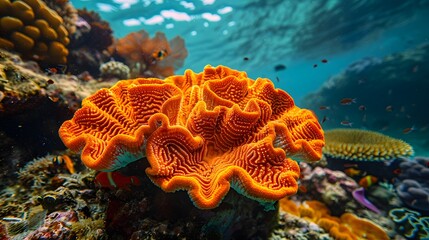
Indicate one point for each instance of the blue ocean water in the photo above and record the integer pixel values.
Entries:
(297, 34)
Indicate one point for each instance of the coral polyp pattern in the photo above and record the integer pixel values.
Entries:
(201, 132)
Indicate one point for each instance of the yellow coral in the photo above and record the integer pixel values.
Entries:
(9, 24)
(33, 29)
(360, 145)
(347, 227)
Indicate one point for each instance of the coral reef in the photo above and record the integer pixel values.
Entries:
(149, 212)
(34, 30)
(150, 57)
(363, 145)
(292, 227)
(399, 74)
(114, 69)
(56, 226)
(100, 36)
(410, 223)
(334, 188)
(65, 9)
(413, 184)
(229, 131)
(33, 106)
(348, 226)
(88, 46)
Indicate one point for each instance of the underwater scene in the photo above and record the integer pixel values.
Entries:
(214, 119)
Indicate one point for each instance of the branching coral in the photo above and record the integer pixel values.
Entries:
(363, 145)
(200, 132)
(33, 29)
(151, 56)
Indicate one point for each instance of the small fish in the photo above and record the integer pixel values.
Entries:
(324, 119)
(278, 79)
(60, 69)
(279, 67)
(116, 180)
(159, 55)
(408, 130)
(246, 59)
(361, 81)
(324, 60)
(66, 160)
(315, 66)
(362, 108)
(51, 70)
(415, 68)
(347, 101)
(389, 108)
(350, 165)
(346, 123)
(50, 81)
(302, 188)
(352, 172)
(324, 108)
(367, 181)
(54, 99)
(397, 171)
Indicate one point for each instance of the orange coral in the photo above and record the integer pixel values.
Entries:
(200, 132)
(138, 49)
(347, 227)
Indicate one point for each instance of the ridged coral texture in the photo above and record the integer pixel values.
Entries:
(200, 132)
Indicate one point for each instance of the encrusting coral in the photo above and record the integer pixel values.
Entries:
(34, 30)
(150, 57)
(200, 132)
(348, 226)
(363, 145)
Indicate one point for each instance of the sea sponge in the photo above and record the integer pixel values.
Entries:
(29, 24)
(150, 56)
(201, 132)
(364, 145)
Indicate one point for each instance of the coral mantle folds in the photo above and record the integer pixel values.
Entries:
(200, 132)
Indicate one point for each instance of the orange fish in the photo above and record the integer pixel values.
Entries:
(302, 188)
(368, 181)
(347, 101)
(116, 180)
(67, 161)
(159, 55)
(408, 130)
(51, 70)
(352, 172)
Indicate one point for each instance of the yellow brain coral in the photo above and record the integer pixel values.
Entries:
(200, 132)
(356, 144)
(34, 30)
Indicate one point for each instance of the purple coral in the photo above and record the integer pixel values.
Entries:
(359, 195)
(413, 187)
